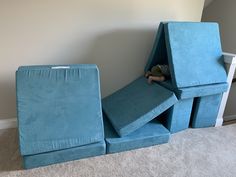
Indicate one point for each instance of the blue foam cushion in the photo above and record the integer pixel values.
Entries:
(136, 104)
(194, 53)
(197, 91)
(206, 110)
(158, 54)
(58, 108)
(177, 118)
(152, 133)
(48, 158)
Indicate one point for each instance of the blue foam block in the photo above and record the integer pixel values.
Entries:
(153, 133)
(197, 91)
(58, 107)
(177, 118)
(206, 111)
(136, 104)
(194, 53)
(48, 158)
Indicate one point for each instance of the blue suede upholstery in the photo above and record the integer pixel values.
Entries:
(197, 91)
(177, 118)
(75, 153)
(59, 107)
(136, 104)
(152, 133)
(206, 111)
(194, 51)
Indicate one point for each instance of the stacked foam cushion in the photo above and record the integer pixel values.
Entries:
(59, 113)
(129, 112)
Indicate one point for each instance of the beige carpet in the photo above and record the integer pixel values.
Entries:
(209, 152)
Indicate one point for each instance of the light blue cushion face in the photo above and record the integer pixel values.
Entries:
(136, 104)
(152, 133)
(194, 53)
(58, 108)
(48, 158)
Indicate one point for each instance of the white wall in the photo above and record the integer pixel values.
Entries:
(115, 35)
(224, 13)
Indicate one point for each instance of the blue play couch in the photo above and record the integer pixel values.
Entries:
(61, 118)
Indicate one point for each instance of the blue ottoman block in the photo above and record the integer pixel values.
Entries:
(177, 118)
(133, 106)
(206, 111)
(59, 107)
(153, 133)
(48, 158)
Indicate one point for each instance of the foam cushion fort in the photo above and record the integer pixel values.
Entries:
(48, 158)
(152, 133)
(59, 107)
(136, 104)
(194, 53)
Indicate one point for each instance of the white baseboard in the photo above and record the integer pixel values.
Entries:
(8, 123)
(230, 117)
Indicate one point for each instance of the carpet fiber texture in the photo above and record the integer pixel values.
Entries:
(192, 153)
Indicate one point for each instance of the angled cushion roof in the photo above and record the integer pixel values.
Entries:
(58, 108)
(158, 54)
(136, 104)
(194, 53)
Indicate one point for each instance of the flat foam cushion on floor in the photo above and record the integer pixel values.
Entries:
(133, 106)
(194, 53)
(48, 158)
(59, 107)
(152, 133)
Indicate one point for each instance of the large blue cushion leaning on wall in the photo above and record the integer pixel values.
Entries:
(153, 133)
(133, 106)
(48, 158)
(58, 107)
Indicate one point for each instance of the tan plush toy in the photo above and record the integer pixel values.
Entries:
(158, 73)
